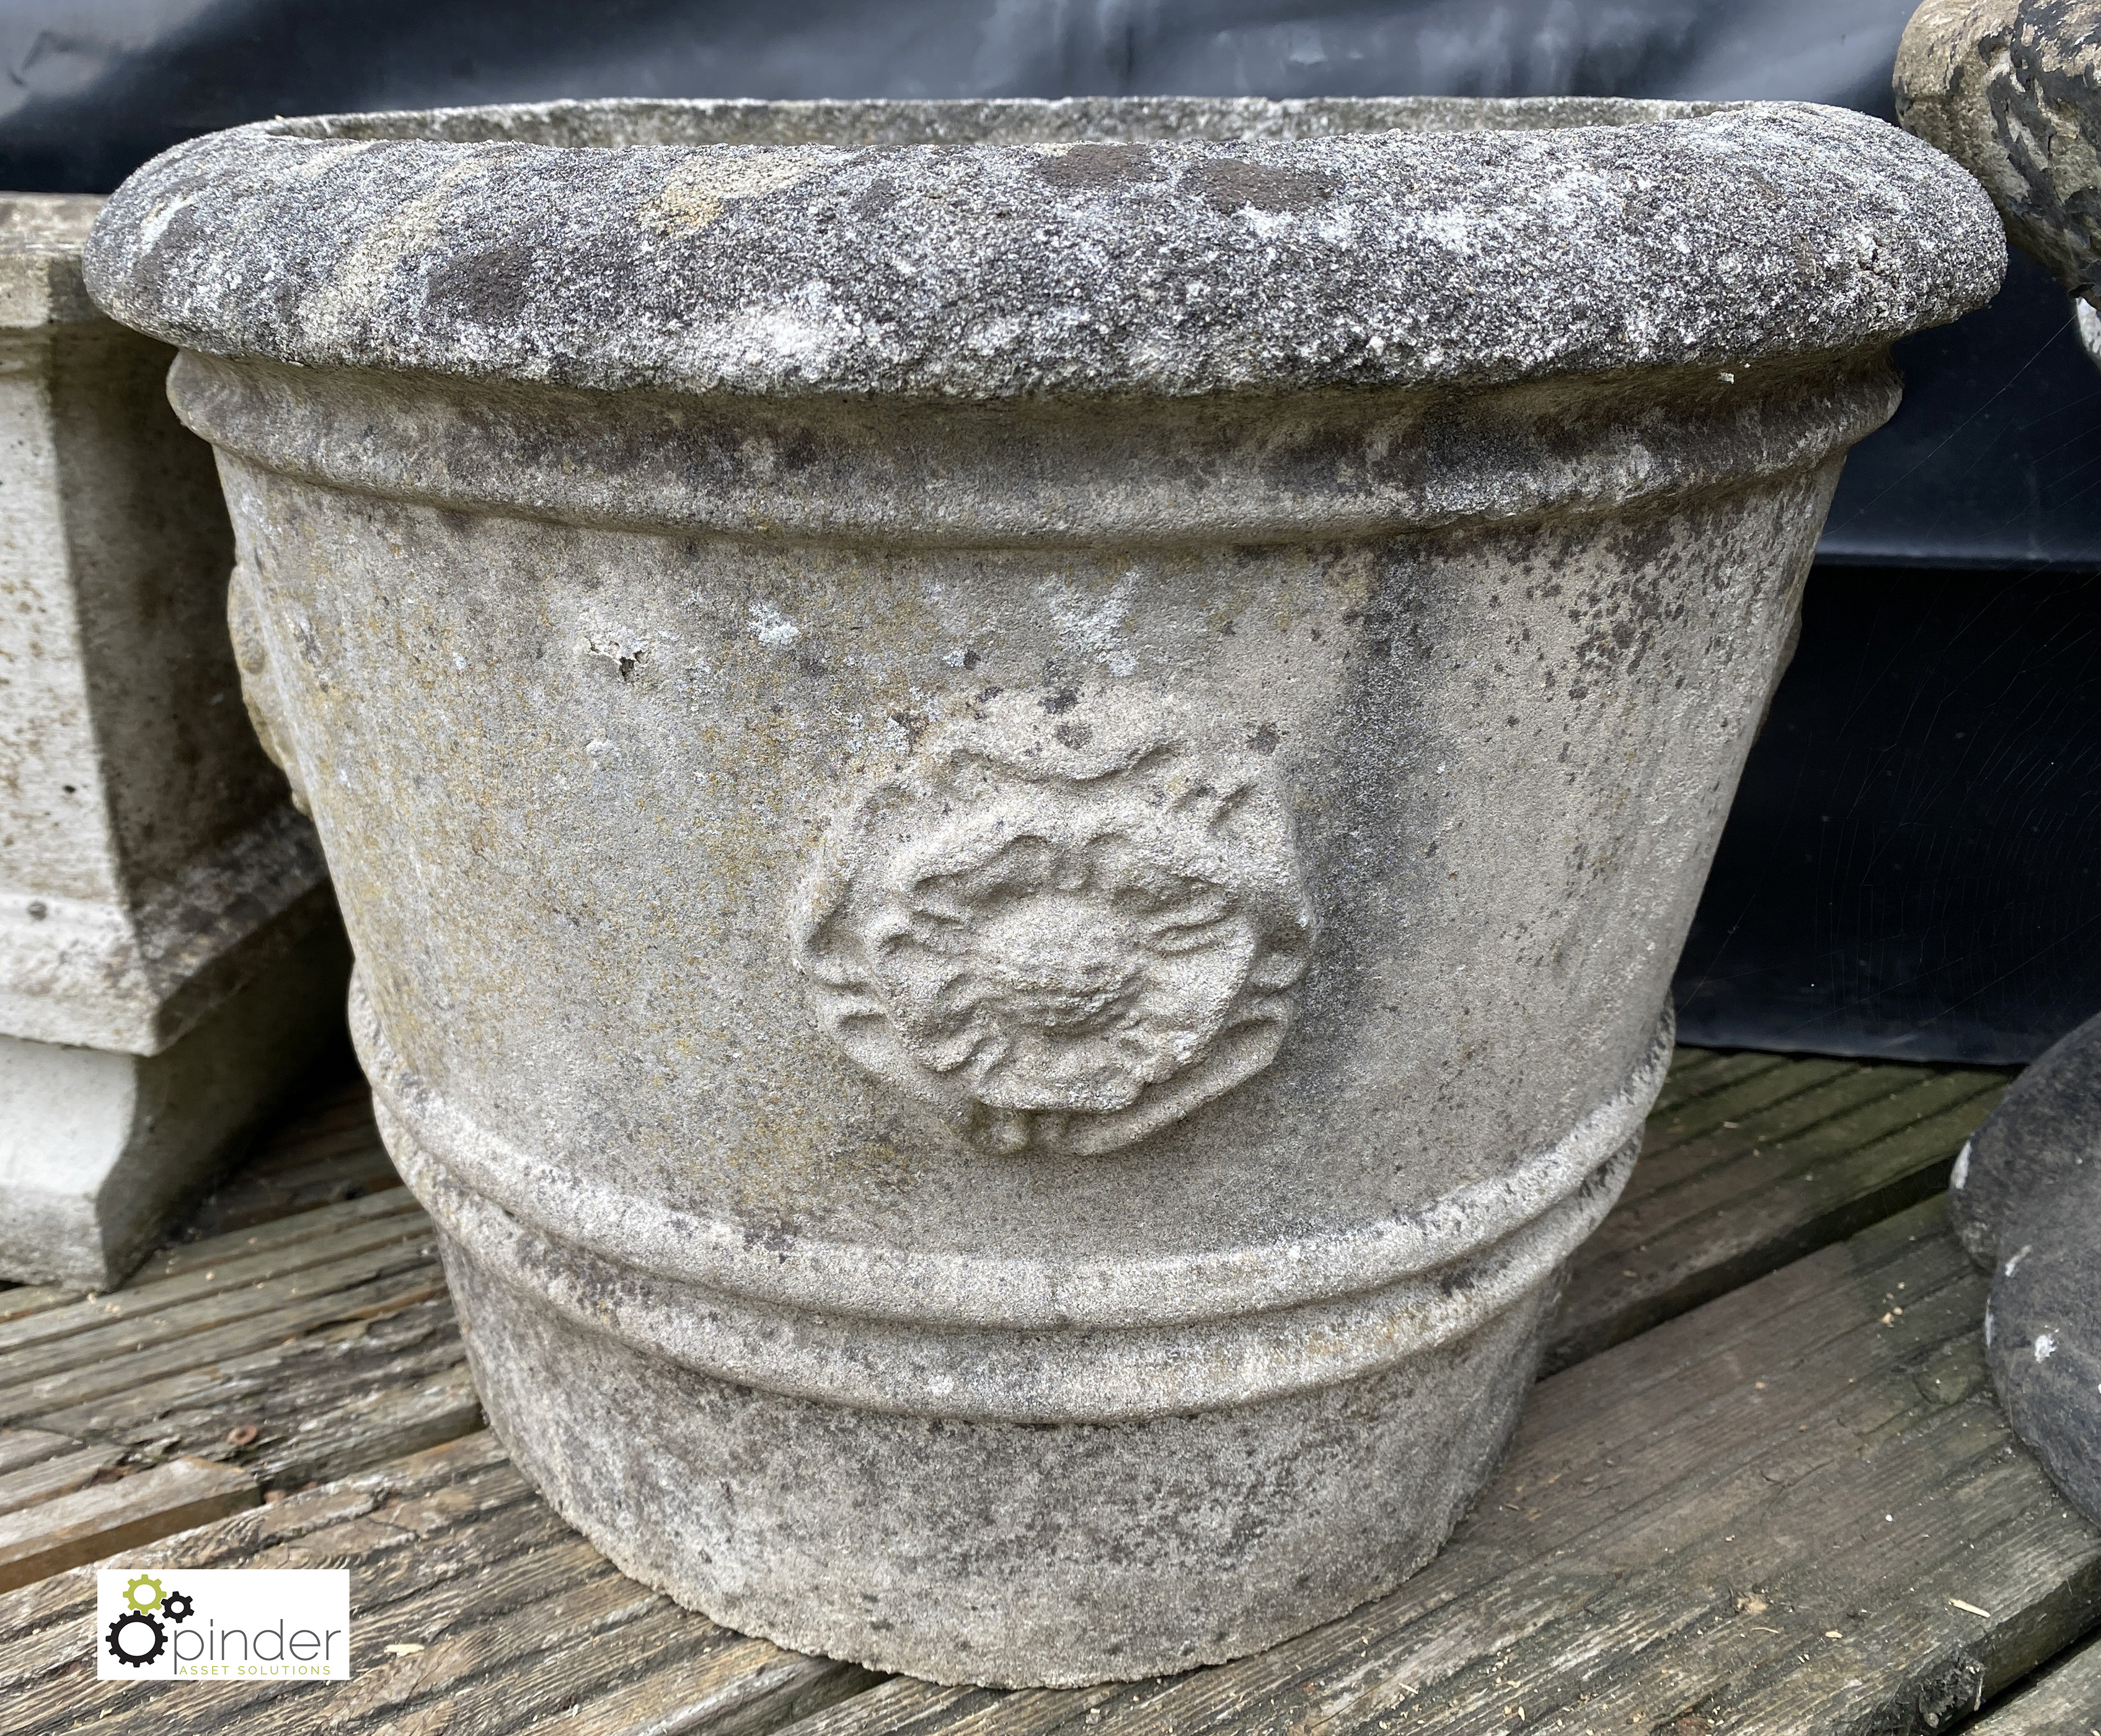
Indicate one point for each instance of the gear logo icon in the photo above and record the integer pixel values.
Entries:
(138, 1603)
(176, 1606)
(137, 1638)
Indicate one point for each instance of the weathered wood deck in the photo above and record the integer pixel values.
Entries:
(1768, 1489)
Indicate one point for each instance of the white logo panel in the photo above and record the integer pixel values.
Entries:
(206, 1624)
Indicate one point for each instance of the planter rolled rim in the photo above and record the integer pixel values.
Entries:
(1119, 248)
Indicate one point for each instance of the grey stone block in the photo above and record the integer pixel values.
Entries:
(100, 1151)
(1017, 783)
(151, 866)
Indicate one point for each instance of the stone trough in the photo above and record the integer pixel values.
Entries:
(1016, 783)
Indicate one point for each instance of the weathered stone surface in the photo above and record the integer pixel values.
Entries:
(2045, 1133)
(1298, 1501)
(2025, 1200)
(148, 860)
(150, 868)
(2043, 1325)
(1173, 246)
(1017, 811)
(2011, 90)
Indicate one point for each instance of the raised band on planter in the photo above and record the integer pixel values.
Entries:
(1016, 783)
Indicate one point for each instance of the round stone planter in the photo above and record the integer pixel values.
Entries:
(1016, 783)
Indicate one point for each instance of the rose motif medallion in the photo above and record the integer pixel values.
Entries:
(1069, 919)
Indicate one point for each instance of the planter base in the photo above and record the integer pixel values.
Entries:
(1005, 1554)
(970, 1501)
(100, 1151)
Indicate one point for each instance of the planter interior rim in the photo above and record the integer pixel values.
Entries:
(990, 122)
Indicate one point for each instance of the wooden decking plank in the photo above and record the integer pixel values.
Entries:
(474, 1465)
(403, 1536)
(1738, 1429)
(1725, 1205)
(130, 1319)
(329, 1151)
(1766, 1191)
(1703, 1362)
(500, 1594)
(2042, 1599)
(408, 1544)
(733, 1692)
(1796, 1494)
(21, 1447)
(1697, 1072)
(381, 1423)
(451, 1676)
(402, 1277)
(497, 1565)
(313, 1186)
(2065, 1700)
(20, 1301)
(480, 1548)
(1818, 1666)
(37, 1542)
(579, 1664)
(1807, 1590)
(900, 1705)
(1663, 1252)
(1822, 1126)
(1769, 1094)
(179, 1258)
(1816, 1300)
(60, 1474)
(322, 1404)
(458, 1603)
(1845, 1113)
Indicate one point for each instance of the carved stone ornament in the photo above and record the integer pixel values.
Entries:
(1069, 919)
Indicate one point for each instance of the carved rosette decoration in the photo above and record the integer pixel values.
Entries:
(1068, 919)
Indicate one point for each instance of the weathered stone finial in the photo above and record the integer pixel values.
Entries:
(2011, 90)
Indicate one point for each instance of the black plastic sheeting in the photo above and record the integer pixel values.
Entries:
(1913, 867)
(1993, 459)
(1908, 870)
(93, 87)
